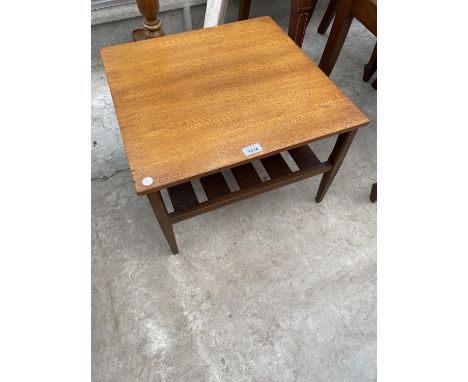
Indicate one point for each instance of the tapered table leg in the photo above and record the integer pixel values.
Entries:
(336, 159)
(164, 222)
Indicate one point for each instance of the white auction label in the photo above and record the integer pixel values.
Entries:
(252, 149)
(148, 181)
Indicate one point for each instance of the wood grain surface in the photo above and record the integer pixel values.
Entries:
(188, 103)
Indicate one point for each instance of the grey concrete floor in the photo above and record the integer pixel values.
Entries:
(274, 288)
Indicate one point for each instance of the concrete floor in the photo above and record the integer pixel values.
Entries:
(274, 288)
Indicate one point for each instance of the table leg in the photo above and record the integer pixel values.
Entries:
(301, 12)
(336, 158)
(327, 17)
(163, 218)
(244, 9)
(373, 194)
(338, 33)
(371, 67)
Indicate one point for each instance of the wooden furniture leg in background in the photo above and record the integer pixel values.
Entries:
(373, 194)
(301, 13)
(371, 67)
(215, 12)
(336, 158)
(363, 10)
(244, 9)
(152, 26)
(163, 219)
(327, 17)
(340, 28)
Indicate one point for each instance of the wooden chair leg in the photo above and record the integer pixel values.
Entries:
(371, 67)
(339, 31)
(336, 158)
(244, 9)
(301, 12)
(152, 25)
(327, 17)
(163, 219)
(373, 194)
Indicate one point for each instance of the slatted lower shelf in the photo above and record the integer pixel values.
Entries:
(186, 204)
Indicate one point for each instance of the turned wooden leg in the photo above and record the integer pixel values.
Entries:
(371, 66)
(152, 26)
(327, 17)
(373, 193)
(340, 28)
(244, 9)
(164, 222)
(301, 12)
(336, 158)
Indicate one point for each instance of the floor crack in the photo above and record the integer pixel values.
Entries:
(106, 177)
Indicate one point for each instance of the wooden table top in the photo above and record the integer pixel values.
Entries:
(188, 103)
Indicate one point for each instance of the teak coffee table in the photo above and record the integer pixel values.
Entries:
(192, 105)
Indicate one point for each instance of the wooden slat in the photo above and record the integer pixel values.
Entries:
(248, 192)
(182, 196)
(275, 166)
(246, 176)
(304, 157)
(214, 185)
